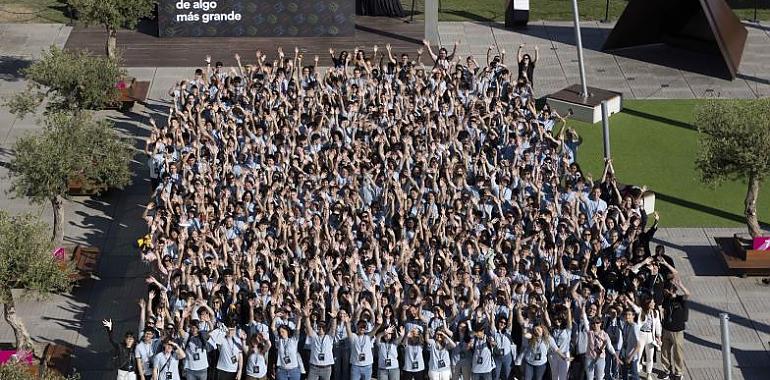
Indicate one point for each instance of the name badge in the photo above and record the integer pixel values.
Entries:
(286, 360)
(234, 359)
(196, 356)
(441, 364)
(414, 365)
(361, 357)
(387, 362)
(537, 356)
(169, 375)
(479, 360)
(321, 357)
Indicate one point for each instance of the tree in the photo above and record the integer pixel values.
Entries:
(113, 15)
(26, 262)
(70, 146)
(68, 81)
(735, 144)
(14, 370)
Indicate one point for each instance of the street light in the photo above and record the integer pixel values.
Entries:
(579, 43)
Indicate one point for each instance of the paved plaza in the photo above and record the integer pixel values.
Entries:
(113, 222)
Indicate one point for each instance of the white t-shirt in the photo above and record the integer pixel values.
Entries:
(167, 366)
(361, 350)
(439, 357)
(387, 355)
(413, 361)
(256, 365)
(229, 350)
(288, 358)
(321, 350)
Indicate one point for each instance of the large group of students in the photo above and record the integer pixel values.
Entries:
(391, 217)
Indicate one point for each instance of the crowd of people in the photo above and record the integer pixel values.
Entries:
(391, 217)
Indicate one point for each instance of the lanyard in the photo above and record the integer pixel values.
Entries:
(284, 344)
(166, 364)
(231, 345)
(360, 344)
(320, 346)
(414, 353)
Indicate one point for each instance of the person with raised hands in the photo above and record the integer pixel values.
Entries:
(439, 347)
(321, 347)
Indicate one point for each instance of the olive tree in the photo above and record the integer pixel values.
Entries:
(67, 81)
(113, 15)
(26, 262)
(70, 146)
(735, 145)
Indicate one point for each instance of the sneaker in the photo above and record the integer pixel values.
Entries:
(663, 376)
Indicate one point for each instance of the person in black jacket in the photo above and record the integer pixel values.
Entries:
(123, 353)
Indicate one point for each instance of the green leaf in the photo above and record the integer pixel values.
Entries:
(69, 145)
(68, 81)
(113, 14)
(26, 260)
(734, 139)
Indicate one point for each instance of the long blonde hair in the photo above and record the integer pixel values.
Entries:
(546, 334)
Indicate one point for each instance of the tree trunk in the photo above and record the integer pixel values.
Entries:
(112, 42)
(751, 206)
(23, 341)
(57, 220)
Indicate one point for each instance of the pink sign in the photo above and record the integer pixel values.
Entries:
(59, 253)
(762, 243)
(24, 357)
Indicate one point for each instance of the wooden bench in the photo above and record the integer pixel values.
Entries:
(136, 92)
(77, 185)
(86, 263)
(57, 357)
(741, 261)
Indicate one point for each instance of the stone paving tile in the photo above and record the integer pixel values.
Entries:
(666, 82)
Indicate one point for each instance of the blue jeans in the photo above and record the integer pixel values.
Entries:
(532, 372)
(594, 368)
(502, 367)
(341, 368)
(630, 371)
(358, 372)
(483, 376)
(288, 374)
(611, 367)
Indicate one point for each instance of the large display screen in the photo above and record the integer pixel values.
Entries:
(256, 18)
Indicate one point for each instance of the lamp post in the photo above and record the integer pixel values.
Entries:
(606, 12)
(579, 43)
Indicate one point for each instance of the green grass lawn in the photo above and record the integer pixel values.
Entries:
(492, 10)
(654, 144)
(33, 11)
(54, 11)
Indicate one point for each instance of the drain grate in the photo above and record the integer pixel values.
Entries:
(664, 85)
(630, 78)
